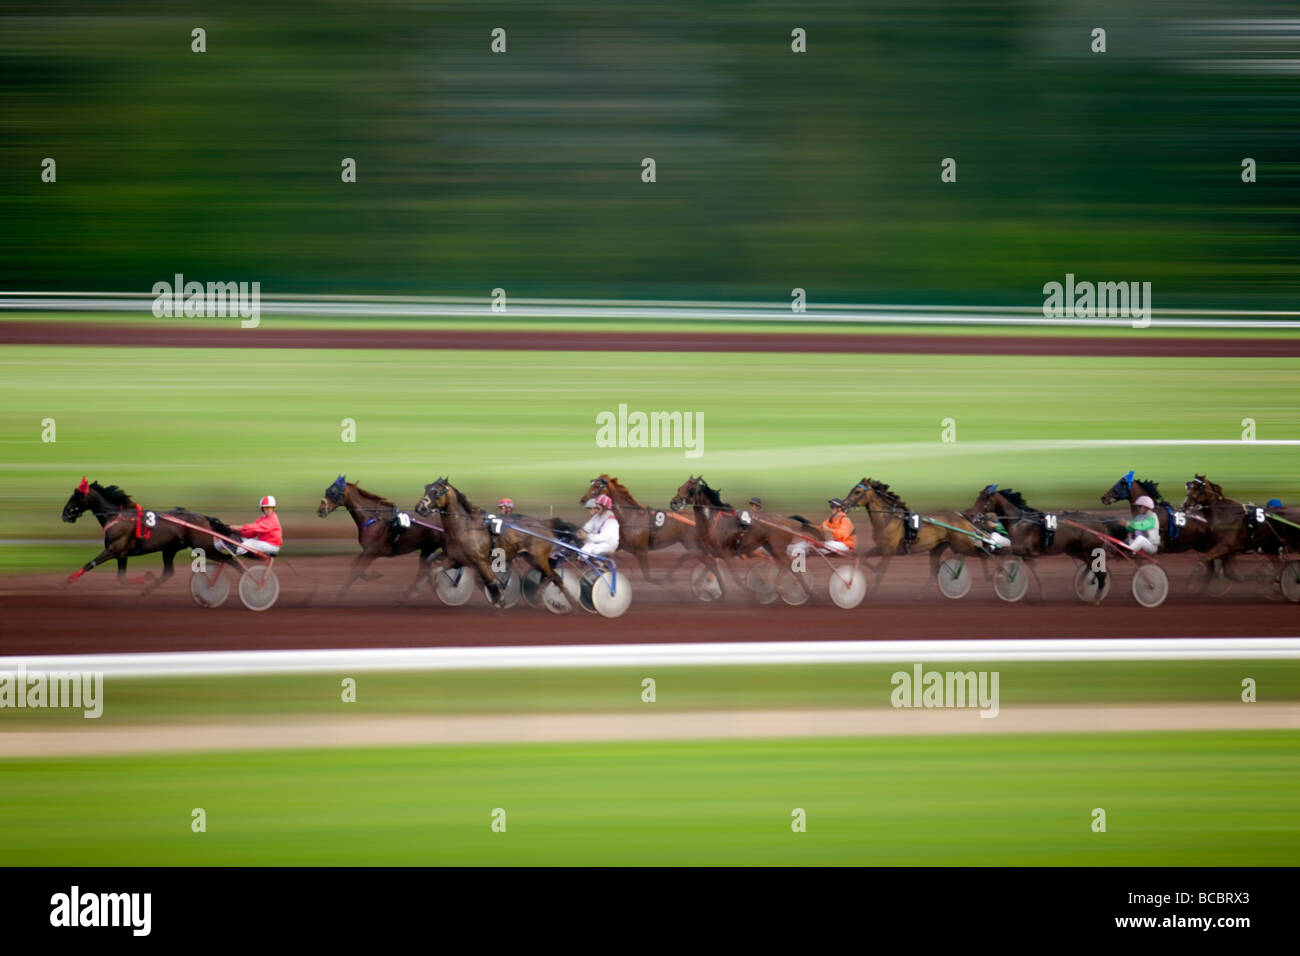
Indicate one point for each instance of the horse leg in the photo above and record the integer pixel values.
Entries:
(95, 562)
(359, 564)
(169, 569)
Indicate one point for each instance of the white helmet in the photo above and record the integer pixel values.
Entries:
(1145, 502)
(267, 502)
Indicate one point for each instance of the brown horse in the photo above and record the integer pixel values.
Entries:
(642, 529)
(1192, 534)
(380, 530)
(473, 538)
(890, 515)
(1076, 533)
(1237, 528)
(719, 532)
(131, 530)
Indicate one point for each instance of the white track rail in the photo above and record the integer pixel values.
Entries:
(215, 663)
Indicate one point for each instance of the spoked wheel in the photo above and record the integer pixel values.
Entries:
(1290, 581)
(258, 588)
(1085, 586)
(706, 583)
(454, 586)
(609, 594)
(1150, 585)
(848, 586)
(511, 588)
(554, 598)
(794, 587)
(211, 588)
(954, 578)
(761, 581)
(1011, 580)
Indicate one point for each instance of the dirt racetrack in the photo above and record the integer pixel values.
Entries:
(882, 343)
(95, 615)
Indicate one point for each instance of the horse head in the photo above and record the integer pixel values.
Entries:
(1122, 490)
(598, 486)
(333, 497)
(77, 502)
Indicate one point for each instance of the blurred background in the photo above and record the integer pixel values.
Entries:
(774, 169)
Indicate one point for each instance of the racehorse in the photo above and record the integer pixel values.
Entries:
(131, 530)
(1077, 535)
(890, 516)
(642, 529)
(380, 530)
(719, 532)
(1192, 535)
(470, 541)
(1234, 527)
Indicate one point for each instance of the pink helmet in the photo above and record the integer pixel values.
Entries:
(267, 502)
(605, 501)
(505, 503)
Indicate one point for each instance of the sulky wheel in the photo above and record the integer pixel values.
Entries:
(1150, 585)
(211, 588)
(258, 588)
(1290, 581)
(454, 586)
(1085, 586)
(954, 578)
(1011, 580)
(794, 587)
(706, 583)
(609, 593)
(848, 586)
(511, 588)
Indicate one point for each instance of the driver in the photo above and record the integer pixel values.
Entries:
(263, 535)
(600, 533)
(505, 506)
(842, 539)
(1144, 527)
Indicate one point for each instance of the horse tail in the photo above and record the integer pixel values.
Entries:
(221, 527)
(564, 530)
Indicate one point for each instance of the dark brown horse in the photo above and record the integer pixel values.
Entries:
(381, 532)
(131, 530)
(1189, 533)
(1075, 533)
(1237, 528)
(642, 529)
(889, 516)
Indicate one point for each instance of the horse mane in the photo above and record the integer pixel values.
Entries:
(890, 498)
(112, 493)
(464, 502)
(1017, 499)
(371, 495)
(1153, 489)
(621, 489)
(714, 497)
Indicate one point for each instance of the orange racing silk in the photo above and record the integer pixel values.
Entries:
(841, 529)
